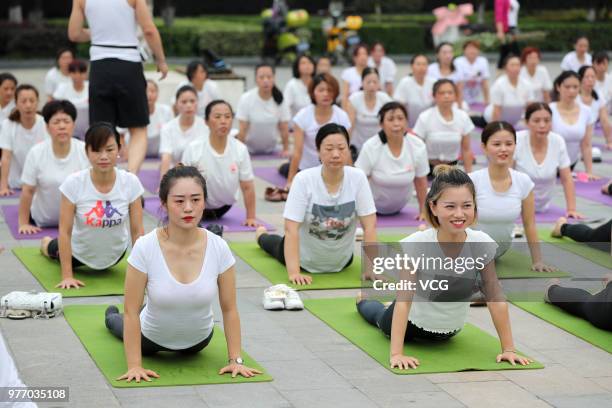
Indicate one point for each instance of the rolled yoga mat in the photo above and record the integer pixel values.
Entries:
(271, 175)
(149, 179)
(592, 191)
(11, 216)
(107, 351)
(599, 257)
(276, 273)
(231, 221)
(470, 350)
(48, 273)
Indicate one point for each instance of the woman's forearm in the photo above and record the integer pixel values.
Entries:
(132, 339)
(292, 252)
(25, 203)
(568, 189)
(248, 193)
(501, 320)
(231, 324)
(399, 323)
(5, 165)
(65, 254)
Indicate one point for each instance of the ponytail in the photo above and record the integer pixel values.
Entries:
(277, 95)
(383, 137)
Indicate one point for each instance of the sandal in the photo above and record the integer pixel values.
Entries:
(273, 194)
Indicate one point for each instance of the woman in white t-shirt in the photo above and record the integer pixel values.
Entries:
(59, 73)
(20, 132)
(536, 74)
(159, 115)
(100, 211)
(415, 90)
(77, 92)
(177, 134)
(263, 115)
(444, 67)
(295, 93)
(207, 90)
(603, 80)
(438, 314)
(510, 94)
(183, 269)
(394, 161)
(503, 194)
(323, 92)
(47, 165)
(384, 65)
(572, 61)
(541, 154)
(445, 129)
(351, 77)
(321, 212)
(8, 83)
(596, 103)
(573, 120)
(474, 73)
(363, 108)
(225, 163)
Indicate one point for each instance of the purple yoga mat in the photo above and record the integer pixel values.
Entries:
(404, 219)
(265, 156)
(478, 107)
(231, 221)
(11, 216)
(550, 216)
(149, 179)
(476, 148)
(592, 191)
(271, 175)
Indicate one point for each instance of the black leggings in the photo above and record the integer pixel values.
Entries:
(53, 251)
(114, 323)
(377, 315)
(215, 213)
(596, 309)
(598, 238)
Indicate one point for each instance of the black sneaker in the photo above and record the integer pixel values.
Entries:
(112, 309)
(215, 229)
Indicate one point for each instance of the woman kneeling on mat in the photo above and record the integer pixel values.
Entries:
(321, 212)
(100, 210)
(451, 209)
(182, 268)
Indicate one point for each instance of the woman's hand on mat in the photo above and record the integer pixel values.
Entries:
(300, 279)
(236, 369)
(593, 177)
(513, 358)
(250, 222)
(28, 229)
(4, 192)
(542, 267)
(137, 374)
(403, 362)
(285, 154)
(574, 214)
(69, 283)
(420, 217)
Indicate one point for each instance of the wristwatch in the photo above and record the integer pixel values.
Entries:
(237, 360)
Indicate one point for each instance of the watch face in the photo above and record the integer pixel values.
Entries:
(239, 360)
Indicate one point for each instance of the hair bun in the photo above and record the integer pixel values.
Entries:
(441, 169)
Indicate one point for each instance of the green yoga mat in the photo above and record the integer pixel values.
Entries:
(276, 273)
(471, 349)
(599, 257)
(48, 273)
(512, 265)
(571, 324)
(106, 350)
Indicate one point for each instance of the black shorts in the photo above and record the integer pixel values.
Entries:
(118, 93)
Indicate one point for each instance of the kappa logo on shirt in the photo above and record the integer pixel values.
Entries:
(101, 216)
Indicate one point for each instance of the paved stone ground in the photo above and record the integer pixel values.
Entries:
(311, 363)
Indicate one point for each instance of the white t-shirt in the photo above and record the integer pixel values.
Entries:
(6, 111)
(603, 89)
(353, 78)
(472, 76)
(263, 117)
(179, 315)
(513, 13)
(539, 82)
(366, 121)
(497, 212)
(101, 231)
(443, 138)
(571, 63)
(415, 97)
(173, 140)
(43, 170)
(328, 222)
(544, 175)
(53, 79)
(210, 92)
(447, 316)
(296, 95)
(573, 134)
(386, 70)
(19, 141)
(80, 100)
(305, 120)
(512, 99)
(433, 71)
(223, 172)
(391, 178)
(594, 107)
(162, 115)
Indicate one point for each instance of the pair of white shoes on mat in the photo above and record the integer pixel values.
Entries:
(279, 297)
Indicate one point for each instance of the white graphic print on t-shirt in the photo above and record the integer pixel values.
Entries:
(331, 222)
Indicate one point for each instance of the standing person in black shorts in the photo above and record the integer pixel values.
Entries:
(117, 87)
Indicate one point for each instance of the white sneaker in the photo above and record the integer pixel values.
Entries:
(274, 297)
(39, 304)
(518, 231)
(292, 300)
(358, 234)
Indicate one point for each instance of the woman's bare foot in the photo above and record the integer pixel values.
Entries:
(44, 246)
(260, 231)
(556, 232)
(359, 297)
(550, 283)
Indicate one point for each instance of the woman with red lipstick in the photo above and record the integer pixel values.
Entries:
(47, 165)
(100, 210)
(503, 194)
(183, 269)
(225, 163)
